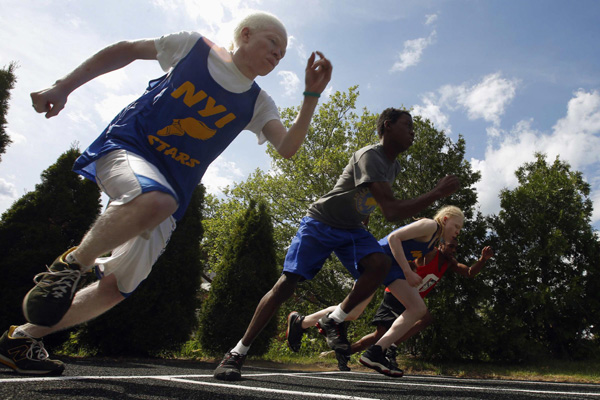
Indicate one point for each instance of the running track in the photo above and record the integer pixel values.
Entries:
(168, 379)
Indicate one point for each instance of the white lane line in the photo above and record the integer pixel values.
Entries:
(92, 377)
(308, 375)
(431, 377)
(266, 390)
(513, 381)
(181, 378)
(441, 386)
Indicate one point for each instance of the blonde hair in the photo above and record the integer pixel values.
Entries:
(256, 21)
(447, 211)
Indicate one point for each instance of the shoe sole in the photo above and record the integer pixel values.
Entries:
(380, 368)
(342, 364)
(45, 322)
(228, 376)
(18, 370)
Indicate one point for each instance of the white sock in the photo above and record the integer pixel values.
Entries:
(20, 332)
(338, 315)
(71, 259)
(240, 348)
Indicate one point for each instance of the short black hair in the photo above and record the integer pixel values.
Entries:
(389, 114)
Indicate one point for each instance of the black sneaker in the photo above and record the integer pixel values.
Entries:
(230, 368)
(375, 359)
(391, 354)
(294, 331)
(53, 293)
(335, 333)
(342, 360)
(27, 356)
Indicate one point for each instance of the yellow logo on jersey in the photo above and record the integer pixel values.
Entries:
(190, 126)
(365, 202)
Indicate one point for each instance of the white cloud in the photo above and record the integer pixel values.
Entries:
(294, 44)
(411, 55)
(485, 100)
(217, 18)
(114, 80)
(493, 131)
(7, 189)
(575, 139)
(112, 105)
(326, 93)
(16, 137)
(290, 82)
(430, 19)
(489, 98)
(433, 112)
(500, 163)
(595, 196)
(220, 174)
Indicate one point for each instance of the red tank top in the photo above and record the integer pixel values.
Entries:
(431, 274)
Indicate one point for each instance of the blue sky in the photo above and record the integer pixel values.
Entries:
(512, 77)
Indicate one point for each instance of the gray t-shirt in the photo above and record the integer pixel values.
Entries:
(350, 202)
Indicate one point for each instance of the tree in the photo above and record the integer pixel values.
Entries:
(161, 314)
(546, 265)
(7, 83)
(40, 226)
(336, 132)
(247, 271)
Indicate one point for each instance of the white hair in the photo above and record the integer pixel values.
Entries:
(256, 21)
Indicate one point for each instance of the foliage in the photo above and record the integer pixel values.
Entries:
(546, 275)
(39, 227)
(161, 314)
(291, 186)
(7, 82)
(248, 269)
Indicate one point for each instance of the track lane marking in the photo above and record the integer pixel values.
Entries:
(307, 375)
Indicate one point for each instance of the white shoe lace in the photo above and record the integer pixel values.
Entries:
(68, 280)
(37, 351)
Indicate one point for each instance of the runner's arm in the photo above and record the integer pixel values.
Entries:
(288, 141)
(395, 209)
(470, 272)
(53, 99)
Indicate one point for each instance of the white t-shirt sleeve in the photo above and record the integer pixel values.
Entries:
(265, 110)
(172, 48)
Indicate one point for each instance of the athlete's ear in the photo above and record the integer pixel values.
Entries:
(245, 34)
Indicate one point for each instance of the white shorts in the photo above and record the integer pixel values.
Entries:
(123, 176)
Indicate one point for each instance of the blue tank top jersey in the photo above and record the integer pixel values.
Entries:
(182, 122)
(413, 249)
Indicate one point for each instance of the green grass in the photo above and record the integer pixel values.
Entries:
(551, 371)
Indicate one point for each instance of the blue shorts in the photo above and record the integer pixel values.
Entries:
(395, 273)
(315, 241)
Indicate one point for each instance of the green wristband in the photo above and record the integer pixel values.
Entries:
(312, 94)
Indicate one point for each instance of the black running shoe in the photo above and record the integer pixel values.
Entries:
(391, 354)
(53, 293)
(375, 359)
(294, 331)
(27, 356)
(230, 368)
(342, 360)
(335, 333)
